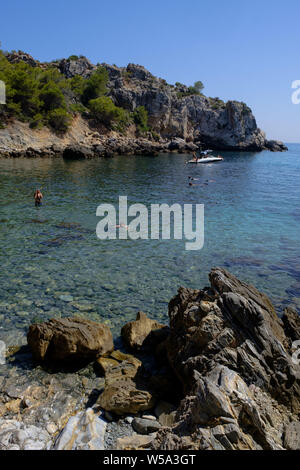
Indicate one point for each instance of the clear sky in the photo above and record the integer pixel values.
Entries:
(241, 50)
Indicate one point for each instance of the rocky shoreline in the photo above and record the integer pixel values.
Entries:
(221, 376)
(19, 141)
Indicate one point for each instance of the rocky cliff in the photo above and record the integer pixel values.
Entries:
(180, 120)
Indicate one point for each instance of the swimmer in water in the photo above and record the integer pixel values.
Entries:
(38, 198)
(122, 226)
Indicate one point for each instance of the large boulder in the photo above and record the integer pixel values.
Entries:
(69, 339)
(143, 332)
(233, 355)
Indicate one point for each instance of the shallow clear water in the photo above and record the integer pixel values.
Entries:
(52, 269)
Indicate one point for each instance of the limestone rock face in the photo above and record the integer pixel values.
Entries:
(69, 339)
(80, 66)
(143, 332)
(173, 113)
(234, 358)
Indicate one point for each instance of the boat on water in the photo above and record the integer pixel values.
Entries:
(206, 160)
(205, 157)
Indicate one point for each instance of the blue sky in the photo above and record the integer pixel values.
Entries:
(240, 50)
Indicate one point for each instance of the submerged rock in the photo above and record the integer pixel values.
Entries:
(69, 339)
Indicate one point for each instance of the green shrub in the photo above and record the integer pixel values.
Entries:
(36, 122)
(198, 86)
(78, 108)
(140, 117)
(73, 57)
(155, 136)
(52, 97)
(59, 120)
(95, 86)
(105, 111)
(196, 89)
(77, 84)
(216, 103)
(34, 94)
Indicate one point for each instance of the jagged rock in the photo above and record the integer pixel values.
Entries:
(77, 152)
(15, 435)
(20, 56)
(291, 324)
(145, 426)
(84, 431)
(233, 356)
(103, 364)
(165, 413)
(125, 397)
(125, 390)
(134, 442)
(141, 332)
(79, 66)
(292, 436)
(69, 339)
(275, 146)
(126, 368)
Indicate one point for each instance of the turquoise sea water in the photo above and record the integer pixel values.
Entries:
(52, 263)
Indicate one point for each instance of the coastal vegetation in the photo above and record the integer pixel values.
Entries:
(183, 90)
(44, 96)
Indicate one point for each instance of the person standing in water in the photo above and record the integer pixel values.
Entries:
(38, 198)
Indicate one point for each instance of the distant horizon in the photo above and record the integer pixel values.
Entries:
(233, 48)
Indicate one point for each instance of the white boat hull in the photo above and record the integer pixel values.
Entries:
(206, 160)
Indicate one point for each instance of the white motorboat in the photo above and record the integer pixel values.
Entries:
(206, 160)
